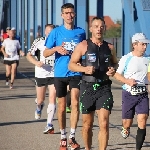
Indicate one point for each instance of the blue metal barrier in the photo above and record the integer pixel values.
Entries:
(136, 18)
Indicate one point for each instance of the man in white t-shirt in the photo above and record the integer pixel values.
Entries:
(10, 48)
(44, 76)
(132, 71)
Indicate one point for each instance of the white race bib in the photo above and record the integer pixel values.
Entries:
(135, 90)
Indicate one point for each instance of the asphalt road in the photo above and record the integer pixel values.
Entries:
(20, 131)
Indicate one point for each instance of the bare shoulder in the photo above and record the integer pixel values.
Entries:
(82, 47)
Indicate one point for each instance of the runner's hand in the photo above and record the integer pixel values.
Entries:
(22, 53)
(39, 64)
(6, 55)
(131, 82)
(89, 70)
(111, 71)
(61, 50)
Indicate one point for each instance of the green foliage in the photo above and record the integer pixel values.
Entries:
(113, 32)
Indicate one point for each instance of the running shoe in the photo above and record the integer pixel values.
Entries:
(7, 83)
(38, 113)
(68, 110)
(63, 144)
(73, 145)
(49, 129)
(125, 132)
(11, 86)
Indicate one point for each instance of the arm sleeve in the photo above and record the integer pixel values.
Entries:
(121, 66)
(51, 39)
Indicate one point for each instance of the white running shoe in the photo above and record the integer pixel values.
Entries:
(49, 129)
(7, 83)
(125, 132)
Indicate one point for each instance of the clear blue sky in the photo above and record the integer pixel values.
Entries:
(112, 8)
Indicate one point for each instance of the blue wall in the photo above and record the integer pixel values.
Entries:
(136, 18)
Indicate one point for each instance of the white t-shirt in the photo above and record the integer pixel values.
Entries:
(37, 48)
(11, 49)
(134, 67)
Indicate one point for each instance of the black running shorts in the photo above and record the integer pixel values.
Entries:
(39, 82)
(94, 96)
(10, 62)
(62, 82)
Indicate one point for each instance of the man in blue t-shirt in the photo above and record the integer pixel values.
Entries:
(62, 42)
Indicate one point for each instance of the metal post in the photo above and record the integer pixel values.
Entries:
(87, 18)
(35, 12)
(57, 7)
(100, 8)
(50, 11)
(28, 25)
(17, 17)
(13, 13)
(44, 16)
(80, 7)
(23, 24)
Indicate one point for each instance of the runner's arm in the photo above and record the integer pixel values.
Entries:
(50, 51)
(31, 52)
(3, 51)
(148, 73)
(76, 57)
(120, 70)
(31, 59)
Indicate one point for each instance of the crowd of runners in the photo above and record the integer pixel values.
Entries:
(76, 72)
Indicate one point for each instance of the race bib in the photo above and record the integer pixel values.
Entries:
(70, 44)
(11, 53)
(135, 90)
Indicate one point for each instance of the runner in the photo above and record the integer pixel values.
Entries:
(44, 76)
(132, 71)
(98, 58)
(62, 41)
(10, 48)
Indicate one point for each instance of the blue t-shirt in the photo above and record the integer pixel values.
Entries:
(70, 38)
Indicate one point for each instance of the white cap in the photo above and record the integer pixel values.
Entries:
(8, 28)
(13, 28)
(140, 37)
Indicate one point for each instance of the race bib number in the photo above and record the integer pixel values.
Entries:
(49, 62)
(135, 90)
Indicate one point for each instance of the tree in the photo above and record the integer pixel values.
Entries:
(114, 31)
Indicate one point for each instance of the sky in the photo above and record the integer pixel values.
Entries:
(112, 8)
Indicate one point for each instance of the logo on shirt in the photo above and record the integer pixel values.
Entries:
(106, 60)
(92, 57)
